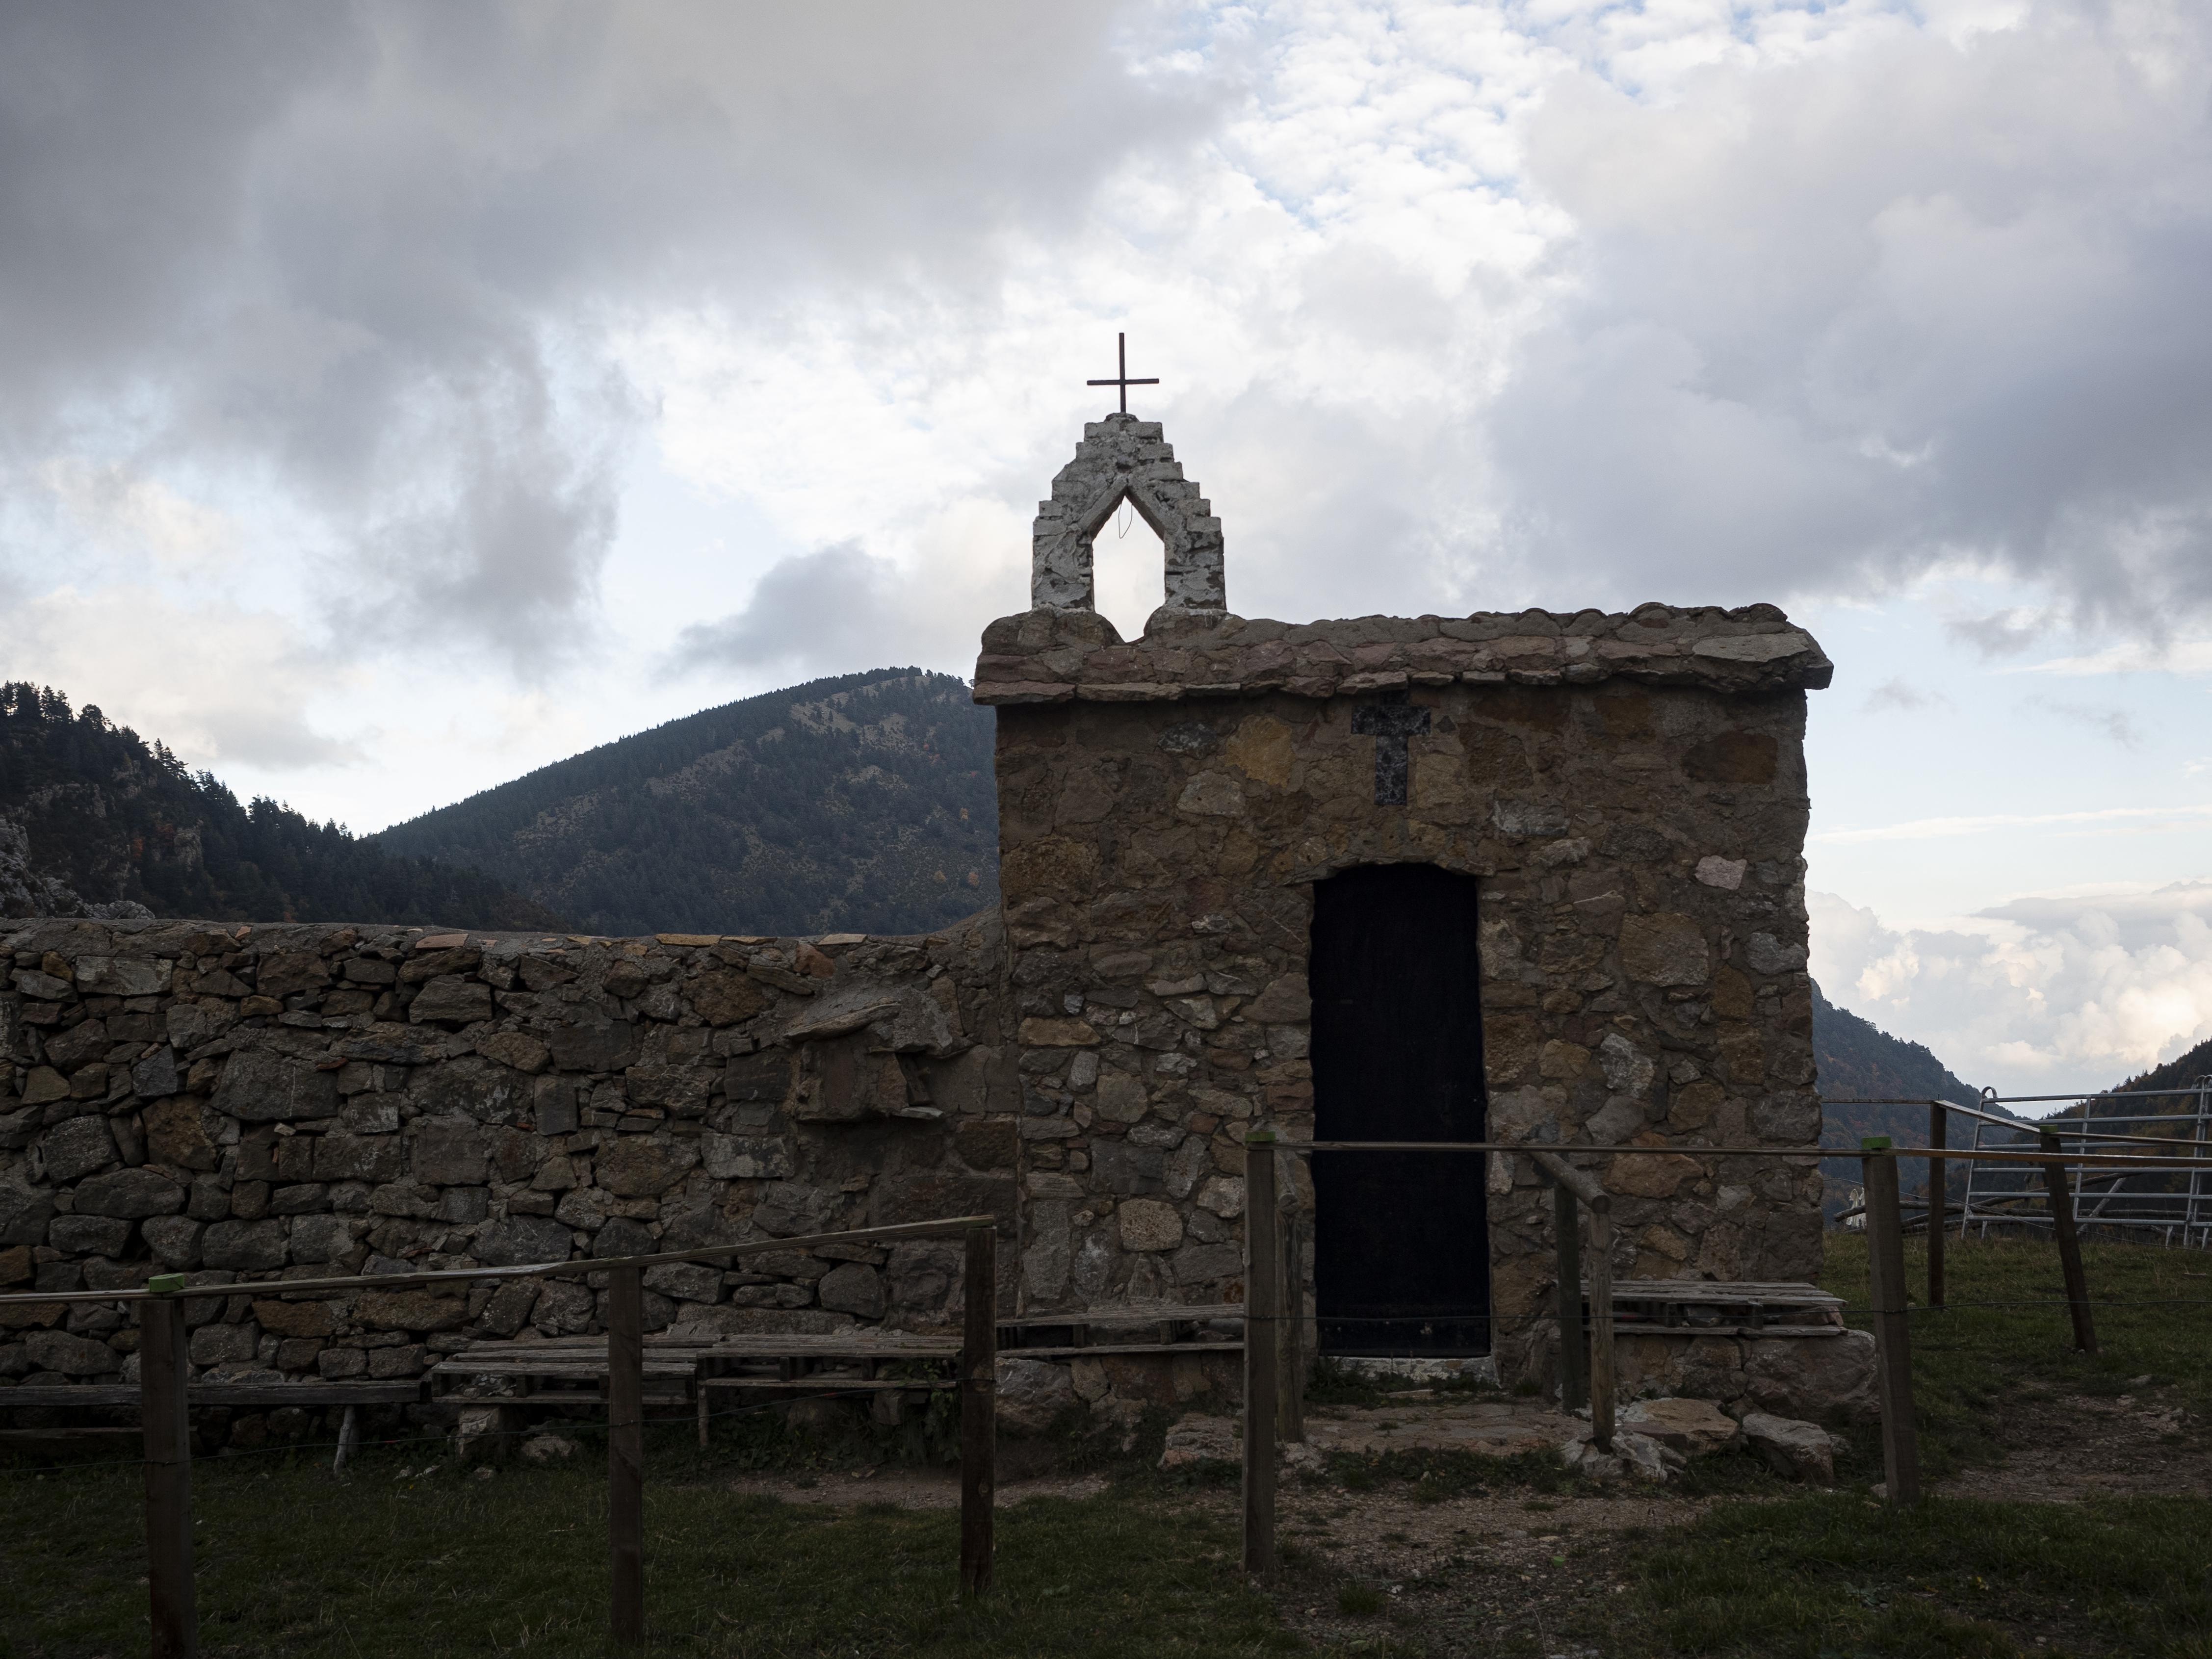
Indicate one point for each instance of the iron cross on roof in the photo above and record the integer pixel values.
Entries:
(1121, 379)
(1390, 722)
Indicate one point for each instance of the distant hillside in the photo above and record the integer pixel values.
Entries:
(863, 804)
(94, 820)
(1858, 1060)
(2180, 1073)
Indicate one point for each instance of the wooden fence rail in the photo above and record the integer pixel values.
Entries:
(164, 1408)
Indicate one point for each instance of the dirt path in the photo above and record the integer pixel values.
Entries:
(2067, 1448)
(1512, 1572)
(1465, 1574)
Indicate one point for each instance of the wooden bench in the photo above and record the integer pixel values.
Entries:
(775, 1367)
(562, 1370)
(573, 1370)
(1695, 1308)
(1132, 1328)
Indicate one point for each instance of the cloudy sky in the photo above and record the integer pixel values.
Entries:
(395, 398)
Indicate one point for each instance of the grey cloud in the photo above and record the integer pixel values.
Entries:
(275, 737)
(2116, 723)
(1832, 324)
(2001, 632)
(1347, 516)
(373, 254)
(1903, 696)
(832, 611)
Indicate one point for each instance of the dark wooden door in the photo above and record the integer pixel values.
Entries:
(1401, 1240)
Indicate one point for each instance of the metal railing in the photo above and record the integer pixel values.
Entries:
(2146, 1197)
(2145, 1202)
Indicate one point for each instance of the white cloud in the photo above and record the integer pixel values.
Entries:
(220, 686)
(2107, 820)
(2042, 995)
(2133, 657)
(144, 517)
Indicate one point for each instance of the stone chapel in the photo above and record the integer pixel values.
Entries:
(1532, 877)
(1536, 875)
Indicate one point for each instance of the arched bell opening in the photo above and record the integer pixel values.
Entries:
(1122, 461)
(1128, 566)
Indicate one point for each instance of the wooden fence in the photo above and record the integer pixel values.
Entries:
(163, 1404)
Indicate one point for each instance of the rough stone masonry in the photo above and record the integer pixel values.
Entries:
(1083, 1060)
(286, 1101)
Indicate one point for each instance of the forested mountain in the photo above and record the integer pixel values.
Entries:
(860, 803)
(1858, 1060)
(2180, 1074)
(94, 821)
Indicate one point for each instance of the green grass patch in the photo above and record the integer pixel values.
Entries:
(2005, 1335)
(1359, 1600)
(292, 1562)
(1839, 1574)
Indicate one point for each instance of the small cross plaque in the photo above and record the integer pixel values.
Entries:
(1390, 722)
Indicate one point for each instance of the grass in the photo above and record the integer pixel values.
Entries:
(291, 1562)
(2005, 1334)
(1840, 1574)
(1359, 1600)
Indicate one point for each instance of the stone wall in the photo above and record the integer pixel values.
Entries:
(1629, 789)
(291, 1101)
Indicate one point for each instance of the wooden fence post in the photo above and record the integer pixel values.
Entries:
(1574, 1356)
(1939, 1122)
(167, 1425)
(2070, 1246)
(626, 1450)
(348, 1438)
(1263, 1301)
(1291, 1378)
(1601, 1296)
(1900, 1444)
(978, 1409)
